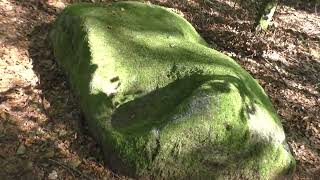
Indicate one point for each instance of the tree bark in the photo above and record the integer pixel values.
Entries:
(266, 13)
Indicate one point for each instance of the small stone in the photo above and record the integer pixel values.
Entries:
(21, 149)
(53, 175)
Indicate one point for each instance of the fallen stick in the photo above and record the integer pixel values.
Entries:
(70, 169)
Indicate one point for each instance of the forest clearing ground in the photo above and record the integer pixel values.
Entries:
(42, 134)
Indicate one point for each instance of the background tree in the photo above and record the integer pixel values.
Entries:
(266, 13)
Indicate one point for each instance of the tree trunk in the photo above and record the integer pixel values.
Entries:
(265, 16)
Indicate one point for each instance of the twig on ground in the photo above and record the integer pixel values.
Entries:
(70, 169)
(113, 174)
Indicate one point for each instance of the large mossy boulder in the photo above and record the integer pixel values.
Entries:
(161, 103)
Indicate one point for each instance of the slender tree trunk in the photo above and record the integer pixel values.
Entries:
(316, 5)
(265, 16)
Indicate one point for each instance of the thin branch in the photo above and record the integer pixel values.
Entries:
(70, 169)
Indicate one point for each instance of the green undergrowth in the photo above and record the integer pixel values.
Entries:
(161, 102)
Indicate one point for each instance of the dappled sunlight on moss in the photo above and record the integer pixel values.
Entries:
(154, 93)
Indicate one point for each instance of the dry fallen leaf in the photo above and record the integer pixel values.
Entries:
(49, 154)
(3, 115)
(315, 53)
(75, 162)
(62, 132)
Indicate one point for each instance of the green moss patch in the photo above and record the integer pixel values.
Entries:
(162, 103)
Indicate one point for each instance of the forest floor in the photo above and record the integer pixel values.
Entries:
(42, 134)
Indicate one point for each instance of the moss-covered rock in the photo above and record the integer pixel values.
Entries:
(161, 102)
